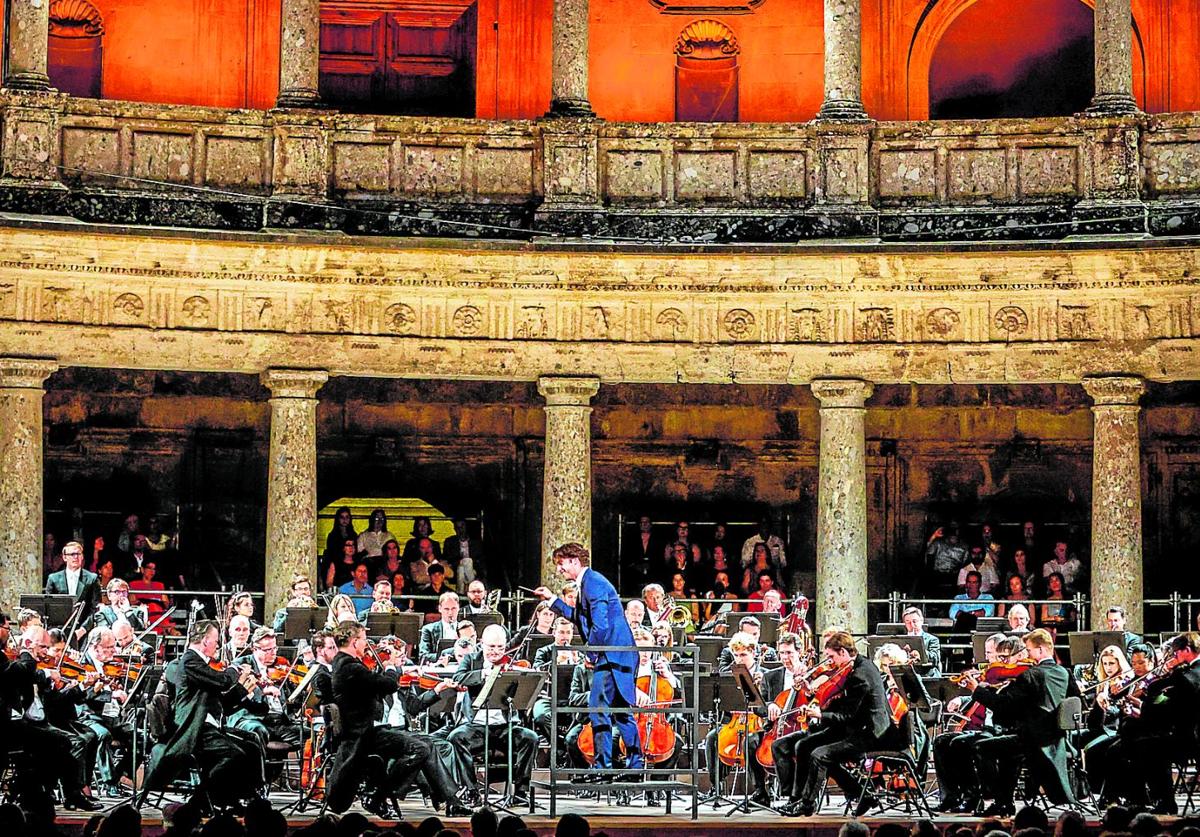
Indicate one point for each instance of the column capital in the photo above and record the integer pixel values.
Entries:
(1114, 390)
(842, 392)
(294, 383)
(25, 372)
(567, 391)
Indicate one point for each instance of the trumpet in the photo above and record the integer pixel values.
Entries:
(680, 616)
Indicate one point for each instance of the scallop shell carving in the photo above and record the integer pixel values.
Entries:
(72, 14)
(707, 38)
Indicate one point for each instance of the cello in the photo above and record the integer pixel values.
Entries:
(732, 737)
(655, 732)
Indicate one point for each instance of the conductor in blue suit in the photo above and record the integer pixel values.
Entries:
(601, 621)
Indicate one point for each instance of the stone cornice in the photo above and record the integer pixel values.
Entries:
(918, 314)
(25, 373)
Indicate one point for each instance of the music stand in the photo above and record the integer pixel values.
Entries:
(139, 696)
(482, 620)
(511, 691)
(538, 642)
(768, 628)
(403, 625)
(301, 622)
(444, 645)
(992, 624)
(710, 649)
(55, 608)
(890, 629)
(1085, 646)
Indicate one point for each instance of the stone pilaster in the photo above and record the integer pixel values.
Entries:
(21, 393)
(27, 30)
(31, 140)
(299, 54)
(567, 480)
(302, 156)
(291, 480)
(1114, 59)
(1116, 497)
(842, 505)
(843, 61)
(569, 67)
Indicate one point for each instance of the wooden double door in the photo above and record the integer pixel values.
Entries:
(399, 56)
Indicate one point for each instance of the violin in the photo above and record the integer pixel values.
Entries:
(511, 661)
(426, 681)
(897, 705)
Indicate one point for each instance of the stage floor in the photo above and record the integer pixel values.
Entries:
(635, 818)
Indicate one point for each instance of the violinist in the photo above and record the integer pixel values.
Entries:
(1112, 674)
(781, 690)
(119, 609)
(445, 628)
(202, 696)
(542, 625)
(953, 750)
(1167, 731)
(54, 753)
(469, 735)
(852, 722)
(262, 714)
(324, 649)
(905, 690)
(1028, 707)
(765, 653)
(238, 643)
(103, 705)
(564, 632)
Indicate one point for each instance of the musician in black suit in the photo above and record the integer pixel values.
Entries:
(469, 736)
(1168, 730)
(358, 693)
(775, 682)
(325, 650)
(202, 697)
(854, 722)
(1028, 706)
(445, 628)
(50, 749)
(74, 580)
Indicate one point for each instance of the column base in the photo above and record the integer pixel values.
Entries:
(29, 82)
(1112, 104)
(299, 99)
(842, 110)
(570, 109)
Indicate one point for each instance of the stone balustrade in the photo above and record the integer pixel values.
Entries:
(965, 179)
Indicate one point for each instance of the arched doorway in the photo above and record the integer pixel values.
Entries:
(706, 73)
(75, 52)
(985, 56)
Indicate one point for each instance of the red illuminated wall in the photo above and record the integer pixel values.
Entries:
(225, 53)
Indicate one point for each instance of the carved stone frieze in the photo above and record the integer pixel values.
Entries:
(982, 313)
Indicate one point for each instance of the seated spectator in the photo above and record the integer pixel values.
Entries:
(422, 529)
(682, 537)
(1067, 566)
(720, 592)
(1020, 566)
(967, 603)
(436, 586)
(984, 564)
(389, 560)
(339, 571)
(358, 588)
(1016, 592)
(144, 589)
(423, 559)
(682, 561)
(944, 556)
(370, 543)
(679, 587)
(774, 544)
(765, 584)
(1057, 616)
(464, 555)
(399, 585)
(760, 561)
(720, 564)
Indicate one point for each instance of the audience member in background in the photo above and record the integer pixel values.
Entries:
(342, 531)
(1067, 566)
(967, 603)
(1054, 615)
(422, 529)
(340, 570)
(760, 561)
(464, 554)
(1015, 591)
(1018, 619)
(944, 555)
(765, 583)
(981, 563)
(437, 583)
(138, 555)
(129, 530)
(1019, 565)
(639, 557)
(144, 591)
(370, 542)
(358, 588)
(774, 544)
(156, 539)
(423, 558)
(52, 560)
(682, 536)
(389, 561)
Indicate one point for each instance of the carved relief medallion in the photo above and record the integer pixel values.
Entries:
(942, 323)
(129, 306)
(739, 324)
(196, 311)
(468, 321)
(673, 321)
(400, 318)
(1012, 321)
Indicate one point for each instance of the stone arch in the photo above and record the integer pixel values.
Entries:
(936, 19)
(706, 73)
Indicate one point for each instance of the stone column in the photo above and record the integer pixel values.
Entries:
(569, 67)
(567, 478)
(27, 33)
(843, 61)
(1114, 59)
(1116, 497)
(291, 480)
(299, 54)
(842, 505)
(21, 393)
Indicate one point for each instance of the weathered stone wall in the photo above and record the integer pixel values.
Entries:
(144, 441)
